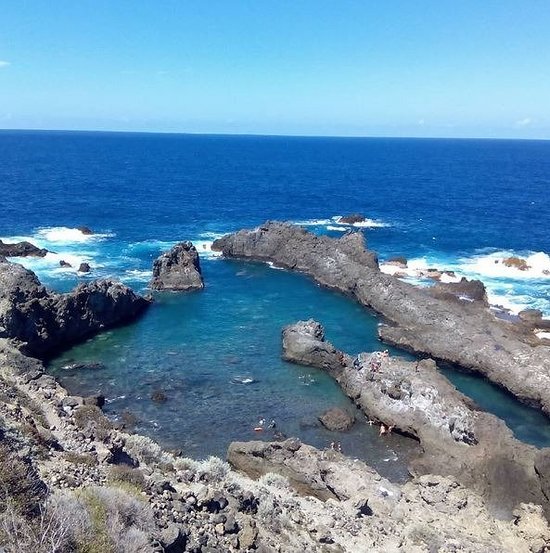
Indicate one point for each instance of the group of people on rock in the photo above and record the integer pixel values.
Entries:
(376, 358)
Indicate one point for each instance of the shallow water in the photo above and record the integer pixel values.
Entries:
(198, 348)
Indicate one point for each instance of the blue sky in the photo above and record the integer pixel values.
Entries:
(384, 68)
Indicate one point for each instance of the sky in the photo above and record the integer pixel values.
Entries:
(297, 67)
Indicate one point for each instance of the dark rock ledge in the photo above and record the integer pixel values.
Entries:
(440, 321)
(21, 249)
(42, 322)
(457, 440)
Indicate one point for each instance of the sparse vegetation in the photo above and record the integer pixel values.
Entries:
(126, 475)
(20, 486)
(90, 419)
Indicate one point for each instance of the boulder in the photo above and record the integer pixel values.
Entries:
(351, 219)
(63, 263)
(516, 263)
(398, 261)
(44, 322)
(84, 268)
(472, 290)
(86, 230)
(21, 249)
(178, 269)
(337, 419)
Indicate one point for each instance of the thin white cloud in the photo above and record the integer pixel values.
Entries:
(4, 63)
(524, 122)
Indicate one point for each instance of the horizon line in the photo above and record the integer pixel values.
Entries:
(267, 135)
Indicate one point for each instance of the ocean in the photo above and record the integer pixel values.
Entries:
(459, 205)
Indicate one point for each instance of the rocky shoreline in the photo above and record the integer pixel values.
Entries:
(77, 479)
(457, 439)
(449, 322)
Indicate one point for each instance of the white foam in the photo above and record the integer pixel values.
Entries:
(492, 265)
(367, 223)
(314, 222)
(137, 275)
(66, 235)
(271, 265)
(339, 229)
(204, 248)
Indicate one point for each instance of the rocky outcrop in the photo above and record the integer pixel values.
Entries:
(87, 231)
(178, 269)
(21, 249)
(351, 219)
(474, 447)
(430, 513)
(43, 322)
(84, 268)
(459, 331)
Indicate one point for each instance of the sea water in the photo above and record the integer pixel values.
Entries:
(461, 205)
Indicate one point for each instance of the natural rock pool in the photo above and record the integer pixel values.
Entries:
(215, 356)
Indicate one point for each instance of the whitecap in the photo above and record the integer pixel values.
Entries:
(338, 229)
(314, 222)
(137, 275)
(67, 235)
(492, 265)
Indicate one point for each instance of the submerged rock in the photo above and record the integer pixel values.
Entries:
(337, 419)
(64, 263)
(516, 263)
(43, 322)
(21, 249)
(86, 230)
(178, 269)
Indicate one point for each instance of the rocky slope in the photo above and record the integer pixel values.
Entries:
(443, 322)
(43, 321)
(178, 269)
(96, 485)
(457, 440)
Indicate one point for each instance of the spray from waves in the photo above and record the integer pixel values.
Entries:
(67, 235)
(335, 223)
(508, 286)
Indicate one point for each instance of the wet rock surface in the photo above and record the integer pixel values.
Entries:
(459, 331)
(178, 269)
(21, 249)
(412, 397)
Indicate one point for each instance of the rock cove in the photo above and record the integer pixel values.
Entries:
(443, 322)
(321, 502)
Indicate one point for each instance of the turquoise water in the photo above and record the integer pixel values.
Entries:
(197, 348)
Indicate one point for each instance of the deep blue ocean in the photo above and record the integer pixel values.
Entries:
(463, 205)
